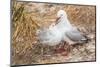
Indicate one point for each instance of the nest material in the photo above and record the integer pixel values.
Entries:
(25, 46)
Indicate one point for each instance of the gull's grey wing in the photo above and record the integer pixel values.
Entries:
(75, 35)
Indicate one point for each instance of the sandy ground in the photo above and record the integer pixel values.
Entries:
(29, 17)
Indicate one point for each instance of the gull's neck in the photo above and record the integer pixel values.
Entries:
(65, 20)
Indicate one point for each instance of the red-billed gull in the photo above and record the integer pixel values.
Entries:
(62, 30)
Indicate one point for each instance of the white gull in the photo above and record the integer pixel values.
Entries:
(62, 30)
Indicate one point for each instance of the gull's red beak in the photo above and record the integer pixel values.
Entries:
(57, 19)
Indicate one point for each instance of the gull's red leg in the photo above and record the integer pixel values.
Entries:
(60, 48)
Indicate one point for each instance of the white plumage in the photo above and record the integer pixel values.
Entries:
(61, 31)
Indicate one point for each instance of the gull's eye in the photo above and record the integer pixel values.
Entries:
(61, 14)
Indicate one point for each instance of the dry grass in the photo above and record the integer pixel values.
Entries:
(29, 17)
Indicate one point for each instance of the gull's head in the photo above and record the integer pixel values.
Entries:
(61, 14)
